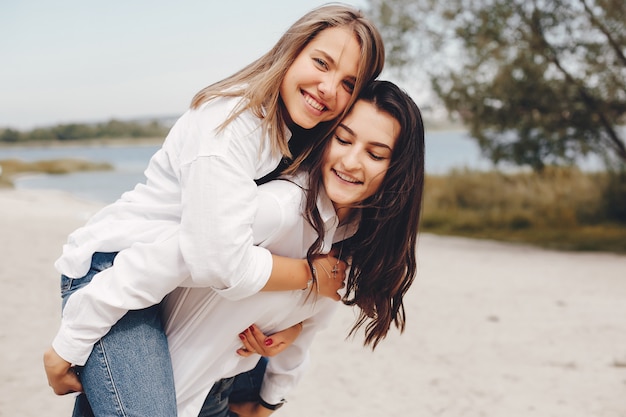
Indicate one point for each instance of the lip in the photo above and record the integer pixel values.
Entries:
(313, 103)
(342, 177)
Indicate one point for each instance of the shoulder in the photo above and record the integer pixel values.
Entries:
(284, 191)
(287, 187)
(214, 112)
(203, 131)
(280, 209)
(207, 119)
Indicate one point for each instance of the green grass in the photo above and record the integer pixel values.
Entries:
(13, 167)
(561, 208)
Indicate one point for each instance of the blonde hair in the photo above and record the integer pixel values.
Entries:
(259, 82)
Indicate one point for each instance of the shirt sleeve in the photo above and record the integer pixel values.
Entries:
(219, 203)
(285, 370)
(91, 311)
(271, 218)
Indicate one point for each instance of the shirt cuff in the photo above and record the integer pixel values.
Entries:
(69, 349)
(253, 280)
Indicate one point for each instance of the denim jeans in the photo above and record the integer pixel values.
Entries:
(129, 372)
(244, 387)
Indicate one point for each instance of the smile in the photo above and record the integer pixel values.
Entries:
(347, 178)
(313, 103)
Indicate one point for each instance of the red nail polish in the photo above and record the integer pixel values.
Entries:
(268, 342)
(242, 337)
(251, 328)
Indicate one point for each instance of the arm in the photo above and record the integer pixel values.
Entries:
(287, 274)
(91, 311)
(219, 204)
(255, 342)
(285, 370)
(277, 220)
(128, 285)
(245, 268)
(295, 362)
(60, 374)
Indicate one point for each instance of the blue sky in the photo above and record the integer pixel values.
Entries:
(75, 61)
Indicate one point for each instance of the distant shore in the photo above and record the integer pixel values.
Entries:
(83, 142)
(431, 126)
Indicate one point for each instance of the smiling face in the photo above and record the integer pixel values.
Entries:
(319, 83)
(358, 156)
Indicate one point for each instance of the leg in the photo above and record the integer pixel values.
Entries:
(216, 402)
(82, 407)
(129, 372)
(244, 387)
(248, 384)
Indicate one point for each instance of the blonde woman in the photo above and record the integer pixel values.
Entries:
(202, 182)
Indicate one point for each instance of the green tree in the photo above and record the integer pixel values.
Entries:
(73, 131)
(40, 134)
(536, 81)
(10, 135)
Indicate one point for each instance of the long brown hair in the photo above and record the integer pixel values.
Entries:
(259, 82)
(382, 252)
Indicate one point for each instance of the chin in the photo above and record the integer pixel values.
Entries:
(307, 123)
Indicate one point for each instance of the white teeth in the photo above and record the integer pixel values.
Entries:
(346, 178)
(313, 103)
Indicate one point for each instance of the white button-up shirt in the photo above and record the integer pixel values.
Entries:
(202, 327)
(203, 180)
(200, 187)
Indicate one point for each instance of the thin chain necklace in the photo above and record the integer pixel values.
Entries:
(343, 239)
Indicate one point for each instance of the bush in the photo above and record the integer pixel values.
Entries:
(559, 207)
(614, 197)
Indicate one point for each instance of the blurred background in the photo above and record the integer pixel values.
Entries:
(524, 103)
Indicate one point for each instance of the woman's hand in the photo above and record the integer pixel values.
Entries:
(250, 409)
(331, 275)
(60, 373)
(254, 341)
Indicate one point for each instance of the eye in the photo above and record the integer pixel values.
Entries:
(349, 86)
(321, 63)
(376, 157)
(341, 141)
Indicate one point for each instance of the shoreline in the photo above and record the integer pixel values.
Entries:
(433, 126)
(75, 143)
(493, 329)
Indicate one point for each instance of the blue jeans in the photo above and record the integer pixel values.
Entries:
(129, 372)
(244, 387)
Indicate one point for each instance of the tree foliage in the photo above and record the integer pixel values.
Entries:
(536, 81)
(73, 131)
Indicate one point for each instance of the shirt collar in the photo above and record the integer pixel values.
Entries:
(331, 221)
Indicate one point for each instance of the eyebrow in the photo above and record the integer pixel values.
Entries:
(377, 144)
(333, 62)
(347, 129)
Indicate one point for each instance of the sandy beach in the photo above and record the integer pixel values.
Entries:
(493, 330)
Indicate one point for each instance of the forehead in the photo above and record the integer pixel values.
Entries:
(371, 124)
(341, 44)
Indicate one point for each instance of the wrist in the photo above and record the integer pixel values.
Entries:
(269, 406)
(312, 276)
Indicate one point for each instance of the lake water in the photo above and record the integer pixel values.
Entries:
(444, 151)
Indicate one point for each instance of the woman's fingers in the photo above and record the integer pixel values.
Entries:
(254, 341)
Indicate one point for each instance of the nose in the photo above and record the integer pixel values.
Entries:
(350, 159)
(328, 86)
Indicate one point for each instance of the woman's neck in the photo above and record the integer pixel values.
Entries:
(344, 214)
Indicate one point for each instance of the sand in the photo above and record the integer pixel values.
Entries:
(493, 329)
